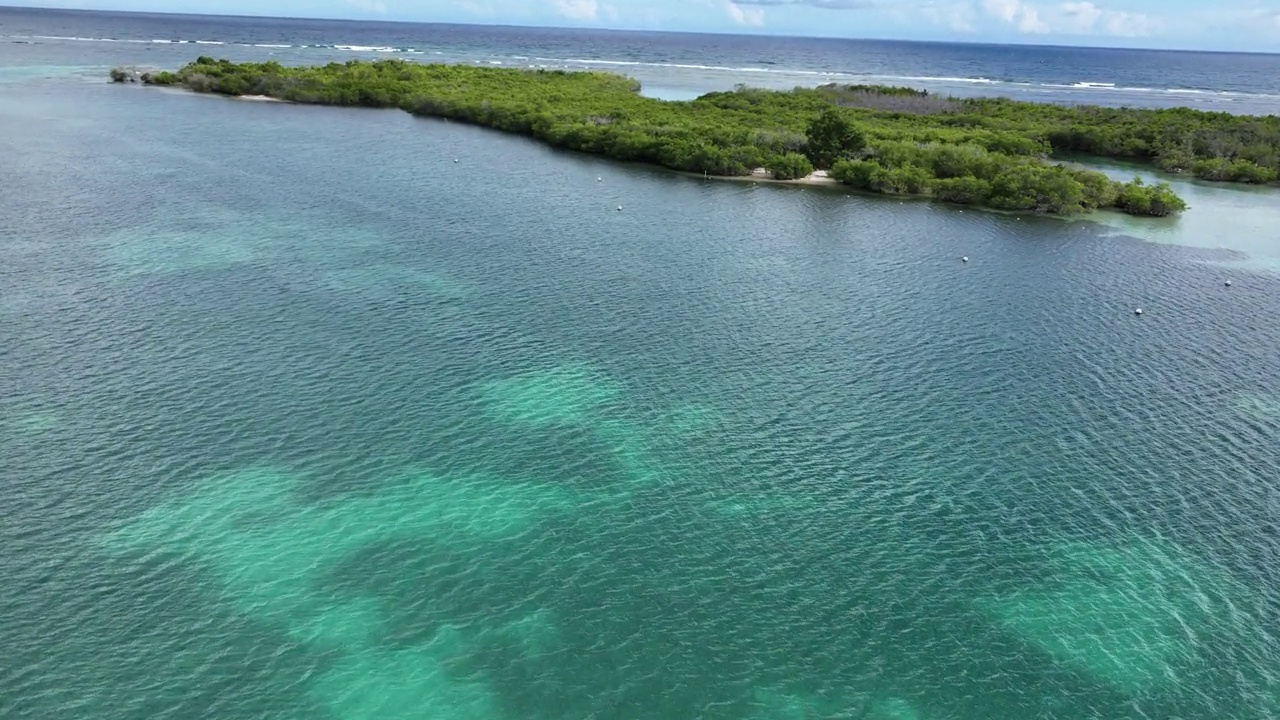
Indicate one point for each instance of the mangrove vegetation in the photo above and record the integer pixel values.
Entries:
(993, 153)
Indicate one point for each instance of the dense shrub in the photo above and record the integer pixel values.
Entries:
(832, 135)
(962, 190)
(1099, 190)
(790, 166)
(1224, 170)
(901, 180)
(892, 99)
(856, 173)
(988, 152)
(1138, 198)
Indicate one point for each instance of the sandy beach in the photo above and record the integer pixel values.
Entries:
(817, 177)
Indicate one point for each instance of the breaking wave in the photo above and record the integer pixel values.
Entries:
(761, 69)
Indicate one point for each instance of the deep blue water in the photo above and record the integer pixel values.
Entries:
(301, 419)
(673, 64)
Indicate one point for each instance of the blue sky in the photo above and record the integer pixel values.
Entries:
(1200, 24)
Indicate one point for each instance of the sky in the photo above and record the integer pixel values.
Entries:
(1247, 25)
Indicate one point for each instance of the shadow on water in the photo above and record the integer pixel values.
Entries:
(1237, 219)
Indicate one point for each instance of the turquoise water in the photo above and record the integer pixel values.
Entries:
(301, 419)
(1239, 219)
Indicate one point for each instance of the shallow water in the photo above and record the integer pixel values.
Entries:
(1242, 222)
(302, 419)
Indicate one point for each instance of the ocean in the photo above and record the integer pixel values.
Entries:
(302, 419)
(670, 65)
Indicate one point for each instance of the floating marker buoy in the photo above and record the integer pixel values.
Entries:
(964, 259)
(1138, 311)
(1228, 283)
(455, 160)
(599, 179)
(619, 208)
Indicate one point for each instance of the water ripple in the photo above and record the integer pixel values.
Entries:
(285, 442)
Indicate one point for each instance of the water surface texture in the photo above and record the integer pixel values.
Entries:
(299, 418)
(670, 65)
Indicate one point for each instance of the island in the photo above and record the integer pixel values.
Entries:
(989, 152)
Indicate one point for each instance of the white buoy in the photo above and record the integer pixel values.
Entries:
(1138, 311)
(455, 160)
(964, 259)
(1228, 283)
(600, 179)
(619, 208)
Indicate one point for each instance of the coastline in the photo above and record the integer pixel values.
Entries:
(887, 140)
(762, 175)
(817, 177)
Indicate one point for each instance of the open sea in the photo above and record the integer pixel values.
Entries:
(301, 419)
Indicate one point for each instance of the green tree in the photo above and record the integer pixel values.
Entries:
(962, 190)
(1137, 198)
(832, 136)
(790, 166)
(856, 173)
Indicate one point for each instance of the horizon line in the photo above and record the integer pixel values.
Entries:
(391, 21)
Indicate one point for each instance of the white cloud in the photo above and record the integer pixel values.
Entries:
(578, 9)
(1024, 16)
(376, 7)
(752, 17)
(1127, 24)
(1081, 15)
(1029, 21)
(823, 4)
(1086, 18)
(956, 16)
(1005, 10)
(478, 9)
(1075, 17)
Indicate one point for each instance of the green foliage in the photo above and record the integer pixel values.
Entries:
(901, 180)
(886, 90)
(896, 140)
(1138, 198)
(1176, 158)
(962, 190)
(958, 161)
(971, 175)
(856, 173)
(1026, 186)
(891, 99)
(790, 166)
(1239, 170)
(1099, 190)
(161, 78)
(1176, 139)
(832, 135)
